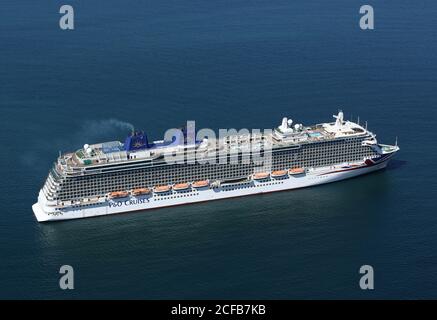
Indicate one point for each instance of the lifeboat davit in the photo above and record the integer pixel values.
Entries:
(296, 171)
(140, 191)
(181, 186)
(201, 184)
(260, 175)
(161, 189)
(279, 173)
(118, 194)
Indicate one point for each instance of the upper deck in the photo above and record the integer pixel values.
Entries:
(136, 148)
(298, 134)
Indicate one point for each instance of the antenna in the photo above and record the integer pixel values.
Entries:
(358, 120)
(366, 124)
(396, 141)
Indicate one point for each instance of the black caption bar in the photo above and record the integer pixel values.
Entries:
(212, 309)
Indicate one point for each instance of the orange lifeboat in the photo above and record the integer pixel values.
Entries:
(118, 194)
(201, 184)
(279, 173)
(161, 189)
(260, 175)
(295, 171)
(140, 191)
(181, 186)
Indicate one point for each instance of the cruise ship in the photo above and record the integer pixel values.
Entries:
(116, 177)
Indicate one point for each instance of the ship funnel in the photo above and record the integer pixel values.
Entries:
(136, 141)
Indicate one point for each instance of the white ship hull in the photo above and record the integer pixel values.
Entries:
(44, 212)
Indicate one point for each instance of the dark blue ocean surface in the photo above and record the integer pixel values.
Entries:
(225, 64)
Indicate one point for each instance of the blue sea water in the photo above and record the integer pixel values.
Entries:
(225, 64)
